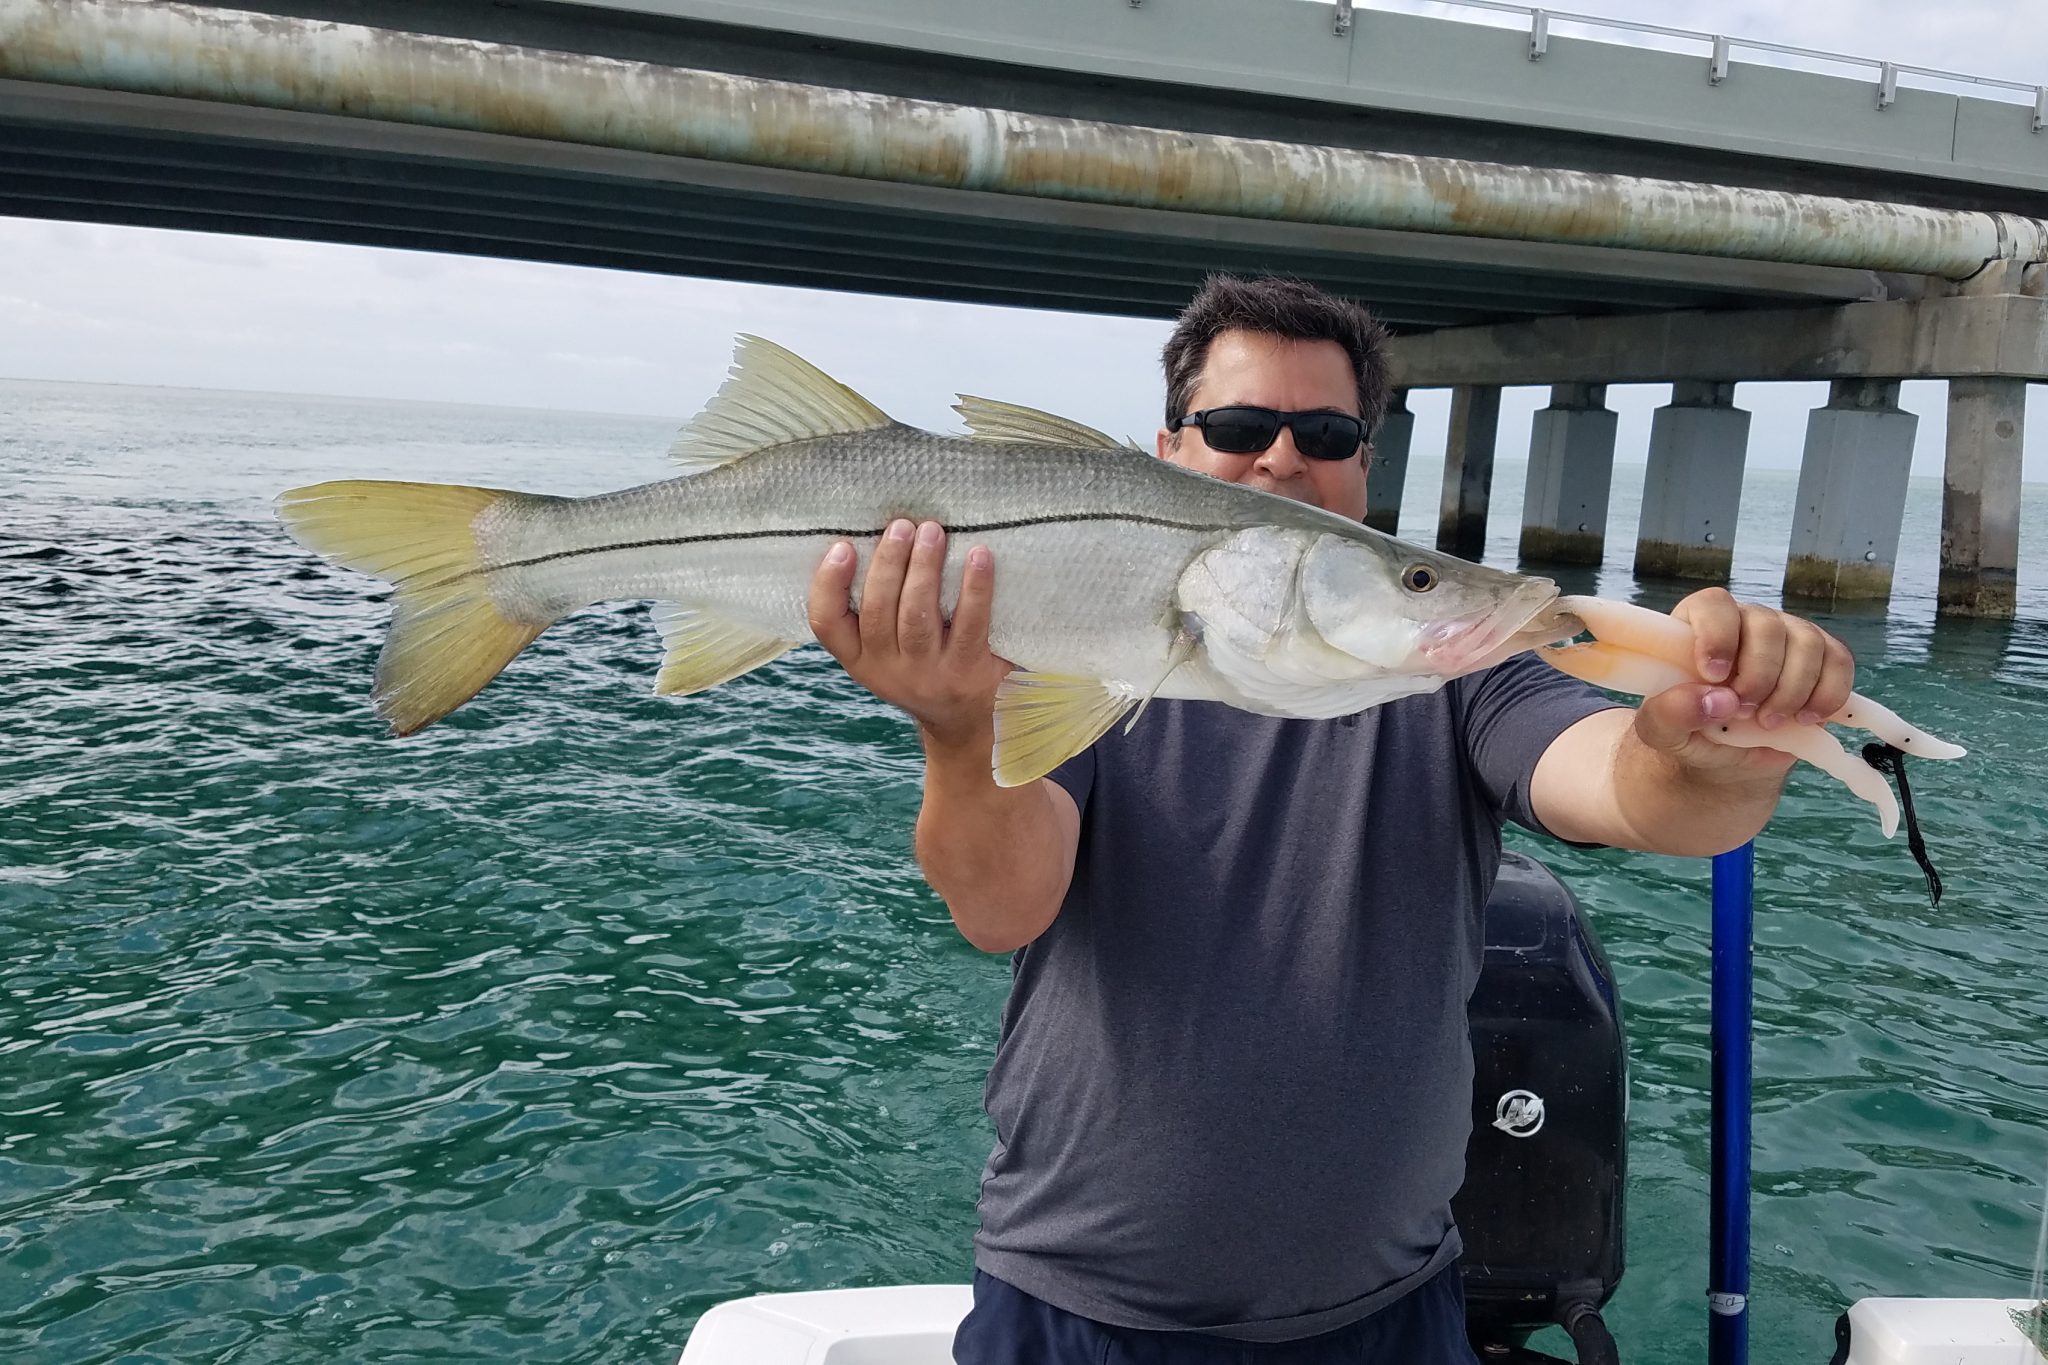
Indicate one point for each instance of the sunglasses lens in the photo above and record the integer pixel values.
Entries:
(1240, 431)
(1327, 436)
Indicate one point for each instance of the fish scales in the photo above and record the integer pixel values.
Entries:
(1086, 576)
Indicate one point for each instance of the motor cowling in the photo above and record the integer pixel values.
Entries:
(1542, 1204)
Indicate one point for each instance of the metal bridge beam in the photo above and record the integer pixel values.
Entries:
(118, 157)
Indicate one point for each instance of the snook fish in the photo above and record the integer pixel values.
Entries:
(1120, 577)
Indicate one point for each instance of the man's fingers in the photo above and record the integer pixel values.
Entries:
(917, 612)
(1805, 657)
(1762, 656)
(977, 596)
(830, 612)
(1667, 720)
(1837, 681)
(1716, 621)
(882, 591)
(1782, 668)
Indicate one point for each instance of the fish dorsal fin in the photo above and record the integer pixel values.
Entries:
(1044, 719)
(706, 650)
(770, 398)
(990, 420)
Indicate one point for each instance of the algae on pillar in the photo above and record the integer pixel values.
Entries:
(1571, 466)
(1693, 489)
(1980, 497)
(1852, 493)
(1387, 474)
(1468, 470)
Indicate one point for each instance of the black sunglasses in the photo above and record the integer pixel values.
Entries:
(1248, 430)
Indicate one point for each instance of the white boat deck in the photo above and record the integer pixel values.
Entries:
(913, 1325)
(896, 1325)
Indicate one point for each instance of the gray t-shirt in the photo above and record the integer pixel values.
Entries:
(1234, 1082)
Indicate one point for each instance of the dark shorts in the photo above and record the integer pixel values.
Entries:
(1007, 1326)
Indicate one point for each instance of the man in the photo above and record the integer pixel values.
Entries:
(1232, 1092)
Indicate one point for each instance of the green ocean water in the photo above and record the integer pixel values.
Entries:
(532, 1037)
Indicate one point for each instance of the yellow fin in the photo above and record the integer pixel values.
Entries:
(447, 636)
(990, 420)
(436, 658)
(1044, 719)
(706, 650)
(770, 398)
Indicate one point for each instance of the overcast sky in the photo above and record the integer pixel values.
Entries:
(141, 306)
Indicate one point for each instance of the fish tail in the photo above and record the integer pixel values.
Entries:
(448, 638)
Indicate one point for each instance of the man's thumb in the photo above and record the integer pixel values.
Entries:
(1667, 720)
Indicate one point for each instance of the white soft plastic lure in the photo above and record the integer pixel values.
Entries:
(1644, 652)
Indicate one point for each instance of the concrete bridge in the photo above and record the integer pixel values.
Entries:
(1524, 207)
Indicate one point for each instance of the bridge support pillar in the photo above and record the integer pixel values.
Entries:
(1387, 475)
(1852, 493)
(1694, 486)
(1980, 497)
(1571, 465)
(1468, 470)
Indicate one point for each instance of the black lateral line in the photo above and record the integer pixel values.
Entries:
(804, 532)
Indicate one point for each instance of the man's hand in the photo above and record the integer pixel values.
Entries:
(1001, 857)
(1758, 662)
(1650, 779)
(899, 646)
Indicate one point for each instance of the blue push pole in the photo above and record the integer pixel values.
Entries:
(1728, 1179)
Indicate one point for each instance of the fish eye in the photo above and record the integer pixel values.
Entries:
(1418, 578)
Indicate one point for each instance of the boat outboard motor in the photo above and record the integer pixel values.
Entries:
(1541, 1209)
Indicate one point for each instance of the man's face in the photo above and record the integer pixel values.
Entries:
(1291, 376)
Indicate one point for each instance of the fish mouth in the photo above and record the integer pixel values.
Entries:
(1529, 617)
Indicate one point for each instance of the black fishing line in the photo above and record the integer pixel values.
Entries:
(1891, 761)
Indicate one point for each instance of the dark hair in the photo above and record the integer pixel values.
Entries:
(1274, 306)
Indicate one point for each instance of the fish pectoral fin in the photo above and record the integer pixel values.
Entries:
(1184, 646)
(770, 398)
(706, 650)
(1044, 719)
(990, 420)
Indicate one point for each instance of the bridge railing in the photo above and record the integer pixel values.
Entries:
(1719, 49)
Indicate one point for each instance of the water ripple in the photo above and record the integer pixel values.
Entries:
(531, 1037)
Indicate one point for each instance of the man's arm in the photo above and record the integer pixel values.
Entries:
(1648, 779)
(1000, 857)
